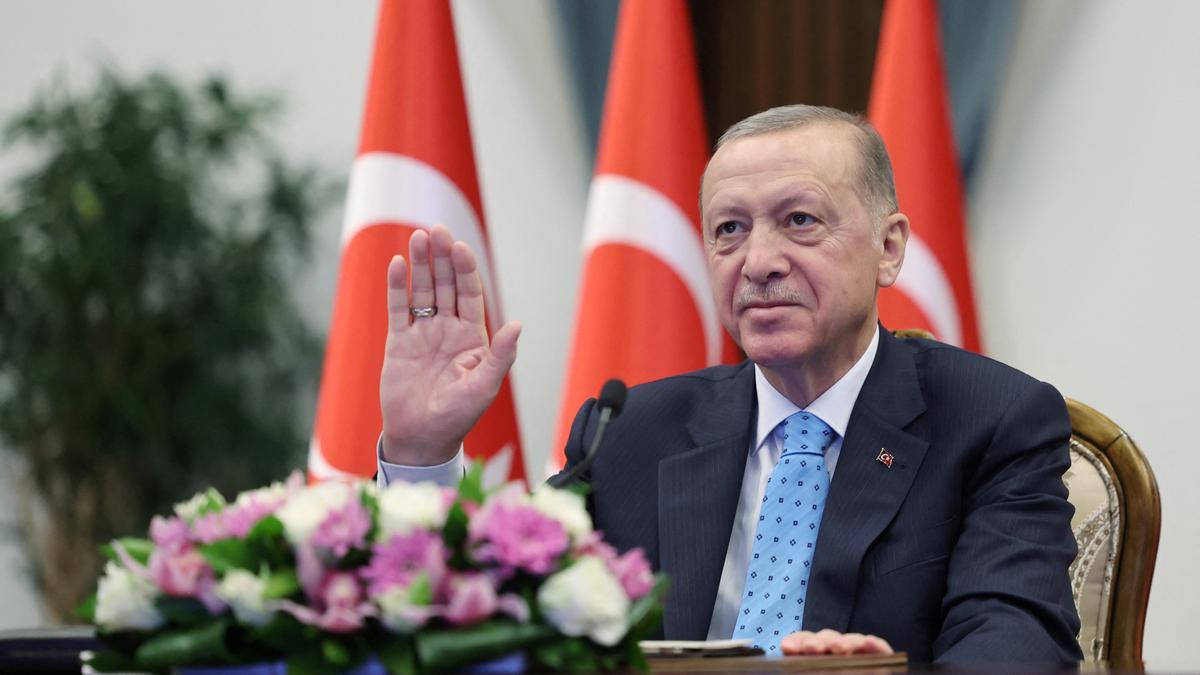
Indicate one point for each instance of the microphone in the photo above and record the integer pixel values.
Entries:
(612, 399)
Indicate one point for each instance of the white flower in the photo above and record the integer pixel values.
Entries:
(198, 503)
(125, 601)
(308, 508)
(243, 591)
(404, 506)
(567, 508)
(275, 493)
(586, 599)
(403, 609)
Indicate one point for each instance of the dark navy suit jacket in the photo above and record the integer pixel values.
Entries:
(958, 552)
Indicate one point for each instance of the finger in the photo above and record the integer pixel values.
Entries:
(849, 643)
(504, 344)
(422, 277)
(397, 294)
(876, 645)
(468, 284)
(799, 642)
(440, 243)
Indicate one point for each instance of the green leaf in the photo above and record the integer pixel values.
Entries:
(268, 529)
(108, 661)
(450, 648)
(420, 592)
(137, 548)
(646, 613)
(281, 584)
(454, 534)
(229, 554)
(306, 659)
(197, 645)
(335, 652)
(397, 655)
(470, 488)
(568, 654)
(282, 633)
(182, 611)
(87, 610)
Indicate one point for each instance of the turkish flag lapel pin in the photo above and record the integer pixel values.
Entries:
(885, 458)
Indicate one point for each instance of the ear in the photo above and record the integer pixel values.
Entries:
(894, 238)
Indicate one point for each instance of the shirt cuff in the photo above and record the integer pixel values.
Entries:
(446, 474)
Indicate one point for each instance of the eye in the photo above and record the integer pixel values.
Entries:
(800, 219)
(728, 227)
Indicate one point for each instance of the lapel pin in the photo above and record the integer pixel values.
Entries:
(885, 458)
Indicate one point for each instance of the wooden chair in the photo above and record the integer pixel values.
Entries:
(1118, 515)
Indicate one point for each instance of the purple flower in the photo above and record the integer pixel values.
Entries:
(239, 519)
(339, 605)
(400, 559)
(517, 536)
(182, 572)
(169, 532)
(343, 529)
(210, 527)
(633, 571)
(472, 599)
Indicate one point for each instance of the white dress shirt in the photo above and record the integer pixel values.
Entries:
(833, 407)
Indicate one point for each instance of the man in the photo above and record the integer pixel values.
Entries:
(842, 481)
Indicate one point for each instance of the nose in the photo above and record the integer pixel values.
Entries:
(764, 260)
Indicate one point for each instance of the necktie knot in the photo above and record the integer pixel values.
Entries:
(806, 434)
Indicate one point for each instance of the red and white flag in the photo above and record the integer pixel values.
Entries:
(645, 311)
(910, 107)
(415, 168)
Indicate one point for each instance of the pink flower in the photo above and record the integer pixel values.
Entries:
(179, 571)
(400, 559)
(210, 527)
(472, 599)
(340, 605)
(169, 532)
(343, 529)
(182, 572)
(633, 571)
(241, 518)
(517, 536)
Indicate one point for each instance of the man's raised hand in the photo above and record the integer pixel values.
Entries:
(439, 372)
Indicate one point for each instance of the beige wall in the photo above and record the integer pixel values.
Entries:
(1084, 238)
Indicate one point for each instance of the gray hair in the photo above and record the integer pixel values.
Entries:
(876, 183)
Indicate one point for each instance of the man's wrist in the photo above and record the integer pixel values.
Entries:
(401, 453)
(447, 473)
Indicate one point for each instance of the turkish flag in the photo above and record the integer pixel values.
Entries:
(645, 310)
(415, 168)
(910, 108)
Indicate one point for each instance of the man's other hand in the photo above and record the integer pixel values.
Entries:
(439, 372)
(807, 643)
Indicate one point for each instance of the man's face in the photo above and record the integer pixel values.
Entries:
(793, 254)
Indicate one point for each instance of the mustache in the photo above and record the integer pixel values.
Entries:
(775, 293)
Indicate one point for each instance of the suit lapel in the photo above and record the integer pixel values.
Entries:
(697, 500)
(865, 493)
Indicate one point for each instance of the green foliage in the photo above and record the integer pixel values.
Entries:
(148, 341)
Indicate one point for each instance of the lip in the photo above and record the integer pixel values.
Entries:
(767, 306)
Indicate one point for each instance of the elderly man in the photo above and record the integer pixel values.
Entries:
(841, 484)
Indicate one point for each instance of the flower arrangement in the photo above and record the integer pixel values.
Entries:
(410, 578)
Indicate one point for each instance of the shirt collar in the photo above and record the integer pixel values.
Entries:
(833, 406)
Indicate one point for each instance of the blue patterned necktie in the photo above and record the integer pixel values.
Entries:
(792, 504)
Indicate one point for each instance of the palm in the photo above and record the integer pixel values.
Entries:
(439, 373)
